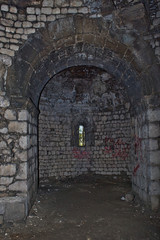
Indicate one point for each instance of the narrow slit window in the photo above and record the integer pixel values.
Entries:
(81, 136)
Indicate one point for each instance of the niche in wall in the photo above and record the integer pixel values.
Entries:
(92, 98)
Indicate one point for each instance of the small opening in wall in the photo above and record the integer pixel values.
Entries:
(81, 136)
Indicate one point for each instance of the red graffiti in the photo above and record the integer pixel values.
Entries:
(138, 153)
(118, 148)
(138, 147)
(135, 169)
(80, 154)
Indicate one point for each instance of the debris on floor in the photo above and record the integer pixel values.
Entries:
(89, 209)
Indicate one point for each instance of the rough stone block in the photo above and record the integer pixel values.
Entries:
(23, 115)
(30, 153)
(7, 22)
(7, 170)
(24, 142)
(156, 21)
(18, 186)
(21, 17)
(37, 25)
(72, 10)
(75, 3)
(19, 127)
(4, 7)
(155, 173)
(154, 157)
(47, 3)
(3, 145)
(83, 10)
(19, 31)
(47, 11)
(6, 60)
(64, 10)
(154, 130)
(145, 196)
(3, 188)
(2, 33)
(157, 43)
(17, 36)
(11, 16)
(30, 10)
(14, 47)
(155, 202)
(1, 219)
(42, 18)
(7, 51)
(22, 172)
(153, 115)
(10, 30)
(145, 131)
(22, 155)
(157, 51)
(15, 211)
(6, 151)
(51, 18)
(2, 28)
(27, 24)
(8, 35)
(154, 188)
(4, 39)
(2, 207)
(18, 24)
(56, 11)
(62, 3)
(153, 144)
(38, 11)
(31, 18)
(29, 31)
(24, 37)
(13, 9)
(158, 13)
(6, 180)
(4, 102)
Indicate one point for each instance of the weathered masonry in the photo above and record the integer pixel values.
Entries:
(79, 93)
(88, 97)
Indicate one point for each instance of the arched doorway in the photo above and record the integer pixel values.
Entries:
(55, 49)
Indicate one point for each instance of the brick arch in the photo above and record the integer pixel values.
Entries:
(80, 41)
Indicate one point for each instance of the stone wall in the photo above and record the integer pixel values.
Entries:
(13, 140)
(153, 36)
(20, 19)
(38, 39)
(99, 103)
(146, 164)
(141, 156)
(18, 153)
(153, 117)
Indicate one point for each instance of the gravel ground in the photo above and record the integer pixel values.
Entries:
(85, 208)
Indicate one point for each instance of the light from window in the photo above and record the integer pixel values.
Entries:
(81, 136)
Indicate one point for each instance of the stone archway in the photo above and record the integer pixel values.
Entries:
(77, 41)
(66, 43)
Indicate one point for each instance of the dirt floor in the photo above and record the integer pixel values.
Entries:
(86, 208)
